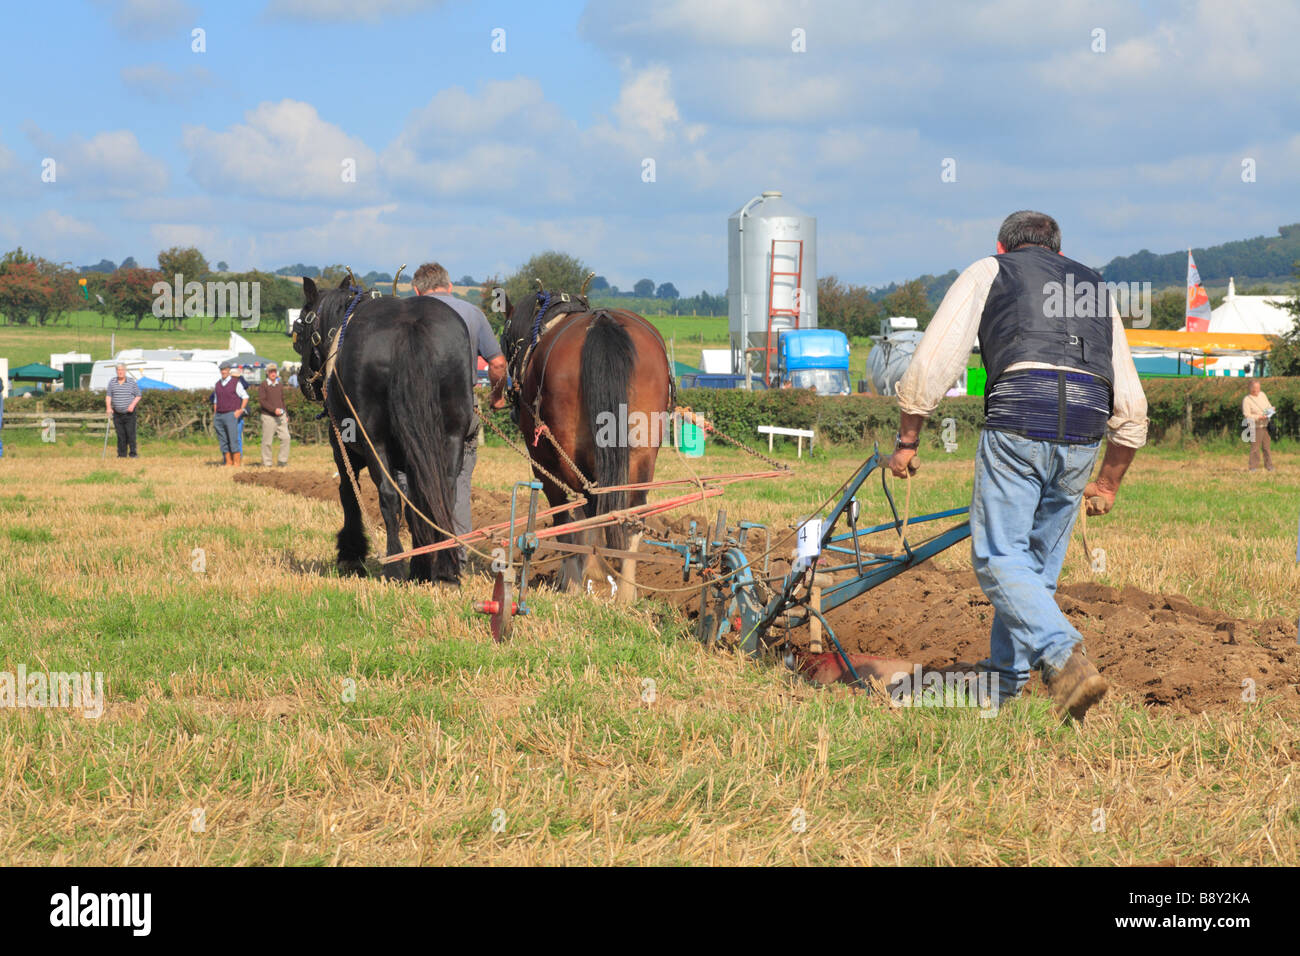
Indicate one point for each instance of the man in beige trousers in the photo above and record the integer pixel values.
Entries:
(1254, 411)
(275, 420)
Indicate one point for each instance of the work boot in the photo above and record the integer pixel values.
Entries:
(237, 458)
(1076, 686)
(225, 458)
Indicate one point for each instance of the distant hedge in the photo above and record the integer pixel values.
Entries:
(1211, 407)
(1207, 408)
(846, 420)
(175, 414)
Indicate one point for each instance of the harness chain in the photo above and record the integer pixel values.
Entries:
(523, 453)
(545, 429)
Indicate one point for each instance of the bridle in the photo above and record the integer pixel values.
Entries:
(324, 347)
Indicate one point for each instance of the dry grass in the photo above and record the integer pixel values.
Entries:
(226, 695)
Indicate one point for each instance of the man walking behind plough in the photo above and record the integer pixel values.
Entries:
(1060, 376)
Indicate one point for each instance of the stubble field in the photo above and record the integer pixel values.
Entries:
(261, 710)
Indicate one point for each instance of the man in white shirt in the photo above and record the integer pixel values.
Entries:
(1060, 377)
(1254, 412)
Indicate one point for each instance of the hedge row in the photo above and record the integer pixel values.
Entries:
(1178, 408)
(1208, 408)
(175, 414)
(1211, 407)
(847, 420)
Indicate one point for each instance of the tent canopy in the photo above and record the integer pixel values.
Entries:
(36, 372)
(252, 360)
(1262, 314)
(1205, 343)
(146, 383)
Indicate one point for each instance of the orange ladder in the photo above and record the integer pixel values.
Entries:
(769, 346)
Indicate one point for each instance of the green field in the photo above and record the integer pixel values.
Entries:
(262, 710)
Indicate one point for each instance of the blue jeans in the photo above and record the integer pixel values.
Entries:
(1025, 503)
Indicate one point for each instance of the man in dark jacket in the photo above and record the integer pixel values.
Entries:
(275, 420)
(1060, 379)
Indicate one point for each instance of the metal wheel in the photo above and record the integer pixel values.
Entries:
(730, 611)
(503, 598)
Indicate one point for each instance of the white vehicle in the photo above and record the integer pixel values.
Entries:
(183, 373)
(184, 368)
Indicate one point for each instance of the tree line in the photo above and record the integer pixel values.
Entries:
(37, 292)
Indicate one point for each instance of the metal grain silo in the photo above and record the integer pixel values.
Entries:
(771, 276)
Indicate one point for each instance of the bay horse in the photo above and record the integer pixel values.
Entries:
(396, 379)
(599, 382)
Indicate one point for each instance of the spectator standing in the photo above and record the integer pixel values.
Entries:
(1255, 409)
(275, 420)
(119, 404)
(2, 417)
(230, 402)
(237, 373)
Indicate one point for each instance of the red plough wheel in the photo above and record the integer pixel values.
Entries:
(502, 608)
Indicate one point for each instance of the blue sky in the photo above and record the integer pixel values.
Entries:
(480, 158)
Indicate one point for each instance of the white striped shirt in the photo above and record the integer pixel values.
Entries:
(123, 393)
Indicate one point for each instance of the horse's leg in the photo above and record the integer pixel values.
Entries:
(457, 462)
(352, 544)
(642, 469)
(390, 506)
(571, 568)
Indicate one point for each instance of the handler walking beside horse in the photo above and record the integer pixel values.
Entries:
(431, 279)
(394, 377)
(1060, 376)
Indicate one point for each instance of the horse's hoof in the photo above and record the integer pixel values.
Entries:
(352, 568)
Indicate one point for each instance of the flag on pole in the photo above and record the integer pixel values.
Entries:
(1198, 303)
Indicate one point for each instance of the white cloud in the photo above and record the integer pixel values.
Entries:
(282, 151)
(204, 238)
(109, 165)
(507, 140)
(56, 231)
(646, 103)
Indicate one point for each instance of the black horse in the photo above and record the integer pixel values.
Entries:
(396, 378)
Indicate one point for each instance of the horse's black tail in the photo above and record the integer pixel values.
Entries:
(418, 423)
(607, 358)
